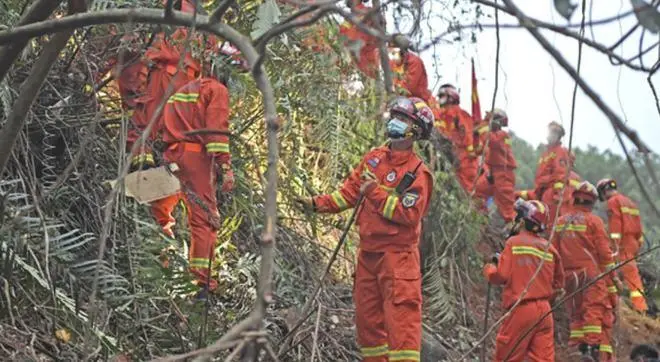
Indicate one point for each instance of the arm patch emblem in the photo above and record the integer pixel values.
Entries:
(409, 199)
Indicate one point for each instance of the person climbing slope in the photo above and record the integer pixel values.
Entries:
(553, 166)
(396, 187)
(498, 179)
(582, 242)
(517, 265)
(625, 227)
(204, 163)
(457, 125)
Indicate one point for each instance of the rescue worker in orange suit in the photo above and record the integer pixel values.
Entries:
(162, 59)
(396, 188)
(582, 242)
(517, 265)
(573, 181)
(551, 172)
(457, 125)
(203, 161)
(361, 46)
(408, 71)
(498, 179)
(625, 227)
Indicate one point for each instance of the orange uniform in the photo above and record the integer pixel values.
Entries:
(479, 136)
(200, 104)
(410, 78)
(567, 203)
(517, 265)
(499, 180)
(582, 242)
(387, 291)
(457, 125)
(625, 227)
(550, 174)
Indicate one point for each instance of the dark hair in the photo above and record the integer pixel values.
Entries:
(643, 350)
(532, 226)
(582, 202)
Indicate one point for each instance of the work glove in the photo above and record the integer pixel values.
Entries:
(307, 203)
(368, 182)
(490, 178)
(141, 163)
(492, 258)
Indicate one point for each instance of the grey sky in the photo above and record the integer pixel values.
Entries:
(530, 79)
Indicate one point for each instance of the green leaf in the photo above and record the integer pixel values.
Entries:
(268, 15)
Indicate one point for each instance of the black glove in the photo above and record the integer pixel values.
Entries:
(490, 178)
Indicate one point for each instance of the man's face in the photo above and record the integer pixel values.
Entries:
(394, 53)
(553, 135)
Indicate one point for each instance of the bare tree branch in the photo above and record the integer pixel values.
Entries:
(38, 11)
(536, 23)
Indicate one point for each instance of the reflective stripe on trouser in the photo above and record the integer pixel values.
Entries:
(162, 211)
(502, 190)
(388, 294)
(595, 301)
(538, 345)
(606, 349)
(197, 176)
(572, 281)
(628, 248)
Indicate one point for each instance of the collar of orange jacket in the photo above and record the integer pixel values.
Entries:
(399, 157)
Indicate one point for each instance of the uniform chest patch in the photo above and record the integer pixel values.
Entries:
(409, 199)
(373, 162)
(391, 176)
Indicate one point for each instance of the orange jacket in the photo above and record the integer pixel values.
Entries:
(387, 221)
(479, 136)
(410, 77)
(582, 242)
(353, 33)
(517, 265)
(551, 171)
(499, 154)
(623, 217)
(456, 124)
(200, 104)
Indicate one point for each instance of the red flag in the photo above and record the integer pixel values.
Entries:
(476, 106)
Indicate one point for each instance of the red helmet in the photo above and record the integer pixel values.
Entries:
(604, 185)
(535, 212)
(449, 91)
(416, 110)
(498, 116)
(585, 191)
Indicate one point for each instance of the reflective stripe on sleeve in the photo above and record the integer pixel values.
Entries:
(390, 205)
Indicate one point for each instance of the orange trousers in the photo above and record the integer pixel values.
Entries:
(162, 211)
(502, 189)
(466, 172)
(586, 310)
(198, 181)
(606, 349)
(628, 247)
(538, 345)
(388, 306)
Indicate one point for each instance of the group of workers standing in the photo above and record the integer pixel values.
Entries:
(393, 188)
